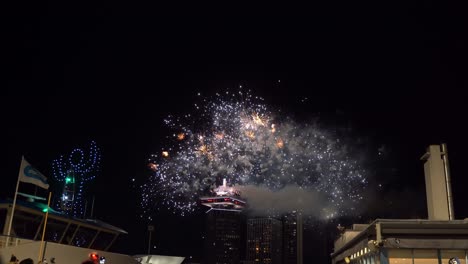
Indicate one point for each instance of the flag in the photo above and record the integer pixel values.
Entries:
(30, 175)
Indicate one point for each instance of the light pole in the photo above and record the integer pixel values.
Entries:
(150, 230)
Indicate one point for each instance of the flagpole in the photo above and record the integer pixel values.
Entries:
(14, 204)
(44, 229)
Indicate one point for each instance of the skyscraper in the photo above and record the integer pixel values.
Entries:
(223, 237)
(292, 238)
(223, 225)
(264, 240)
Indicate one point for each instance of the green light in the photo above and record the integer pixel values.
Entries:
(45, 210)
(68, 180)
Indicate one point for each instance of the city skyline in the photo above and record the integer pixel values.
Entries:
(164, 242)
(392, 81)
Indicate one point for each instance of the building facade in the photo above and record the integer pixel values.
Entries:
(437, 240)
(264, 240)
(412, 241)
(292, 238)
(223, 237)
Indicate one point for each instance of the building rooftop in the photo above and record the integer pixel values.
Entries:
(402, 233)
(38, 207)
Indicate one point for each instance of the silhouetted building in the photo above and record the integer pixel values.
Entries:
(439, 239)
(223, 237)
(264, 240)
(292, 238)
(403, 241)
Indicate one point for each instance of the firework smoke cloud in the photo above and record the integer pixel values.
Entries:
(279, 165)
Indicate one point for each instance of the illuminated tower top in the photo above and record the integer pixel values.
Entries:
(226, 198)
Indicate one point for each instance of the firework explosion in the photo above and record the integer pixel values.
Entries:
(275, 162)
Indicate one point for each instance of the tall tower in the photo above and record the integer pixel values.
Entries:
(225, 198)
(292, 238)
(223, 237)
(223, 225)
(264, 240)
(438, 186)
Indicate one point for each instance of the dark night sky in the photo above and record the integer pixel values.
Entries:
(110, 72)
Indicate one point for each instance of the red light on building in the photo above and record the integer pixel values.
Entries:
(94, 257)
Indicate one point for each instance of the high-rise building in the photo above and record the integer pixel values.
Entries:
(223, 225)
(264, 240)
(292, 238)
(223, 237)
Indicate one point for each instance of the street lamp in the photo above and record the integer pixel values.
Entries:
(150, 230)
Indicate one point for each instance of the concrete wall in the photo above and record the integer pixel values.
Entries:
(345, 238)
(436, 189)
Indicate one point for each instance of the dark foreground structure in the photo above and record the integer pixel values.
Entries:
(410, 241)
(436, 240)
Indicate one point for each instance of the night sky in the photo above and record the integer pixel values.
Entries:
(394, 75)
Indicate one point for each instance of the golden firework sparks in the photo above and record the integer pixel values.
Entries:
(280, 143)
(258, 120)
(203, 149)
(153, 166)
(219, 136)
(250, 134)
(180, 136)
(273, 128)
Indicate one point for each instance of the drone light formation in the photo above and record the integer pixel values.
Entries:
(235, 136)
(73, 172)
